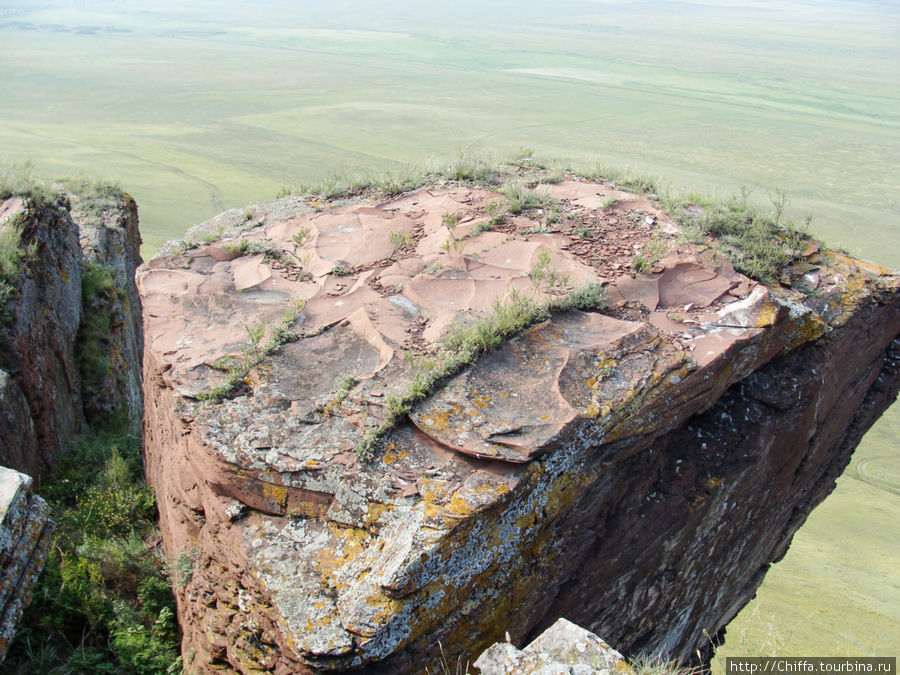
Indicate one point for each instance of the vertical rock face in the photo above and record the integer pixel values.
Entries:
(39, 327)
(25, 530)
(43, 392)
(634, 469)
(111, 243)
(47, 340)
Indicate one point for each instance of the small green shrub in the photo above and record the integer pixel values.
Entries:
(300, 236)
(98, 295)
(246, 246)
(253, 353)
(340, 270)
(103, 603)
(464, 343)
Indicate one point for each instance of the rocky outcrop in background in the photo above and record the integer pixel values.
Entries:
(562, 649)
(70, 352)
(635, 469)
(70, 323)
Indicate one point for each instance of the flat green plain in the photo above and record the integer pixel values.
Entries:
(195, 107)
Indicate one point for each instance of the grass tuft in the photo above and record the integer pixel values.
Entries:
(464, 343)
(253, 353)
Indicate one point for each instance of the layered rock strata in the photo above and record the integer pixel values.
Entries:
(635, 470)
(25, 533)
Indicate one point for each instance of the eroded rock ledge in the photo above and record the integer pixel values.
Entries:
(635, 470)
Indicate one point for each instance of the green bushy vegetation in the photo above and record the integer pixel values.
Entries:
(10, 255)
(103, 603)
(20, 180)
(98, 289)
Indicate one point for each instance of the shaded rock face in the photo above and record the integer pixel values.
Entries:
(110, 240)
(635, 470)
(43, 398)
(25, 534)
(38, 332)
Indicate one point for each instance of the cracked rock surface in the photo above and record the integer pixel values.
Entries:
(634, 469)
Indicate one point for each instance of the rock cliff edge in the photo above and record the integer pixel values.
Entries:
(634, 467)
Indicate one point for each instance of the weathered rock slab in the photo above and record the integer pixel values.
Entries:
(25, 533)
(563, 649)
(635, 470)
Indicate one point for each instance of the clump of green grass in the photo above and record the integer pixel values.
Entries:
(92, 188)
(103, 603)
(464, 343)
(20, 180)
(253, 353)
(496, 212)
(759, 244)
(343, 387)
(11, 254)
(520, 199)
(340, 270)
(245, 246)
(651, 253)
(401, 241)
(454, 245)
(469, 168)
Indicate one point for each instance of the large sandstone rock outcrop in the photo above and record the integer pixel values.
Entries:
(635, 470)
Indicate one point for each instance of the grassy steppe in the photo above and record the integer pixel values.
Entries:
(196, 107)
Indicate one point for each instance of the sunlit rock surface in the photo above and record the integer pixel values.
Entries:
(635, 470)
(25, 533)
(563, 649)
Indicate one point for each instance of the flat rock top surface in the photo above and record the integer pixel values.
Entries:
(370, 290)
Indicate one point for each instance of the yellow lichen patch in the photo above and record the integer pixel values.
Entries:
(768, 313)
(480, 400)
(276, 494)
(389, 458)
(385, 607)
(714, 482)
(436, 419)
(375, 511)
(458, 506)
(592, 411)
(434, 489)
(352, 542)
